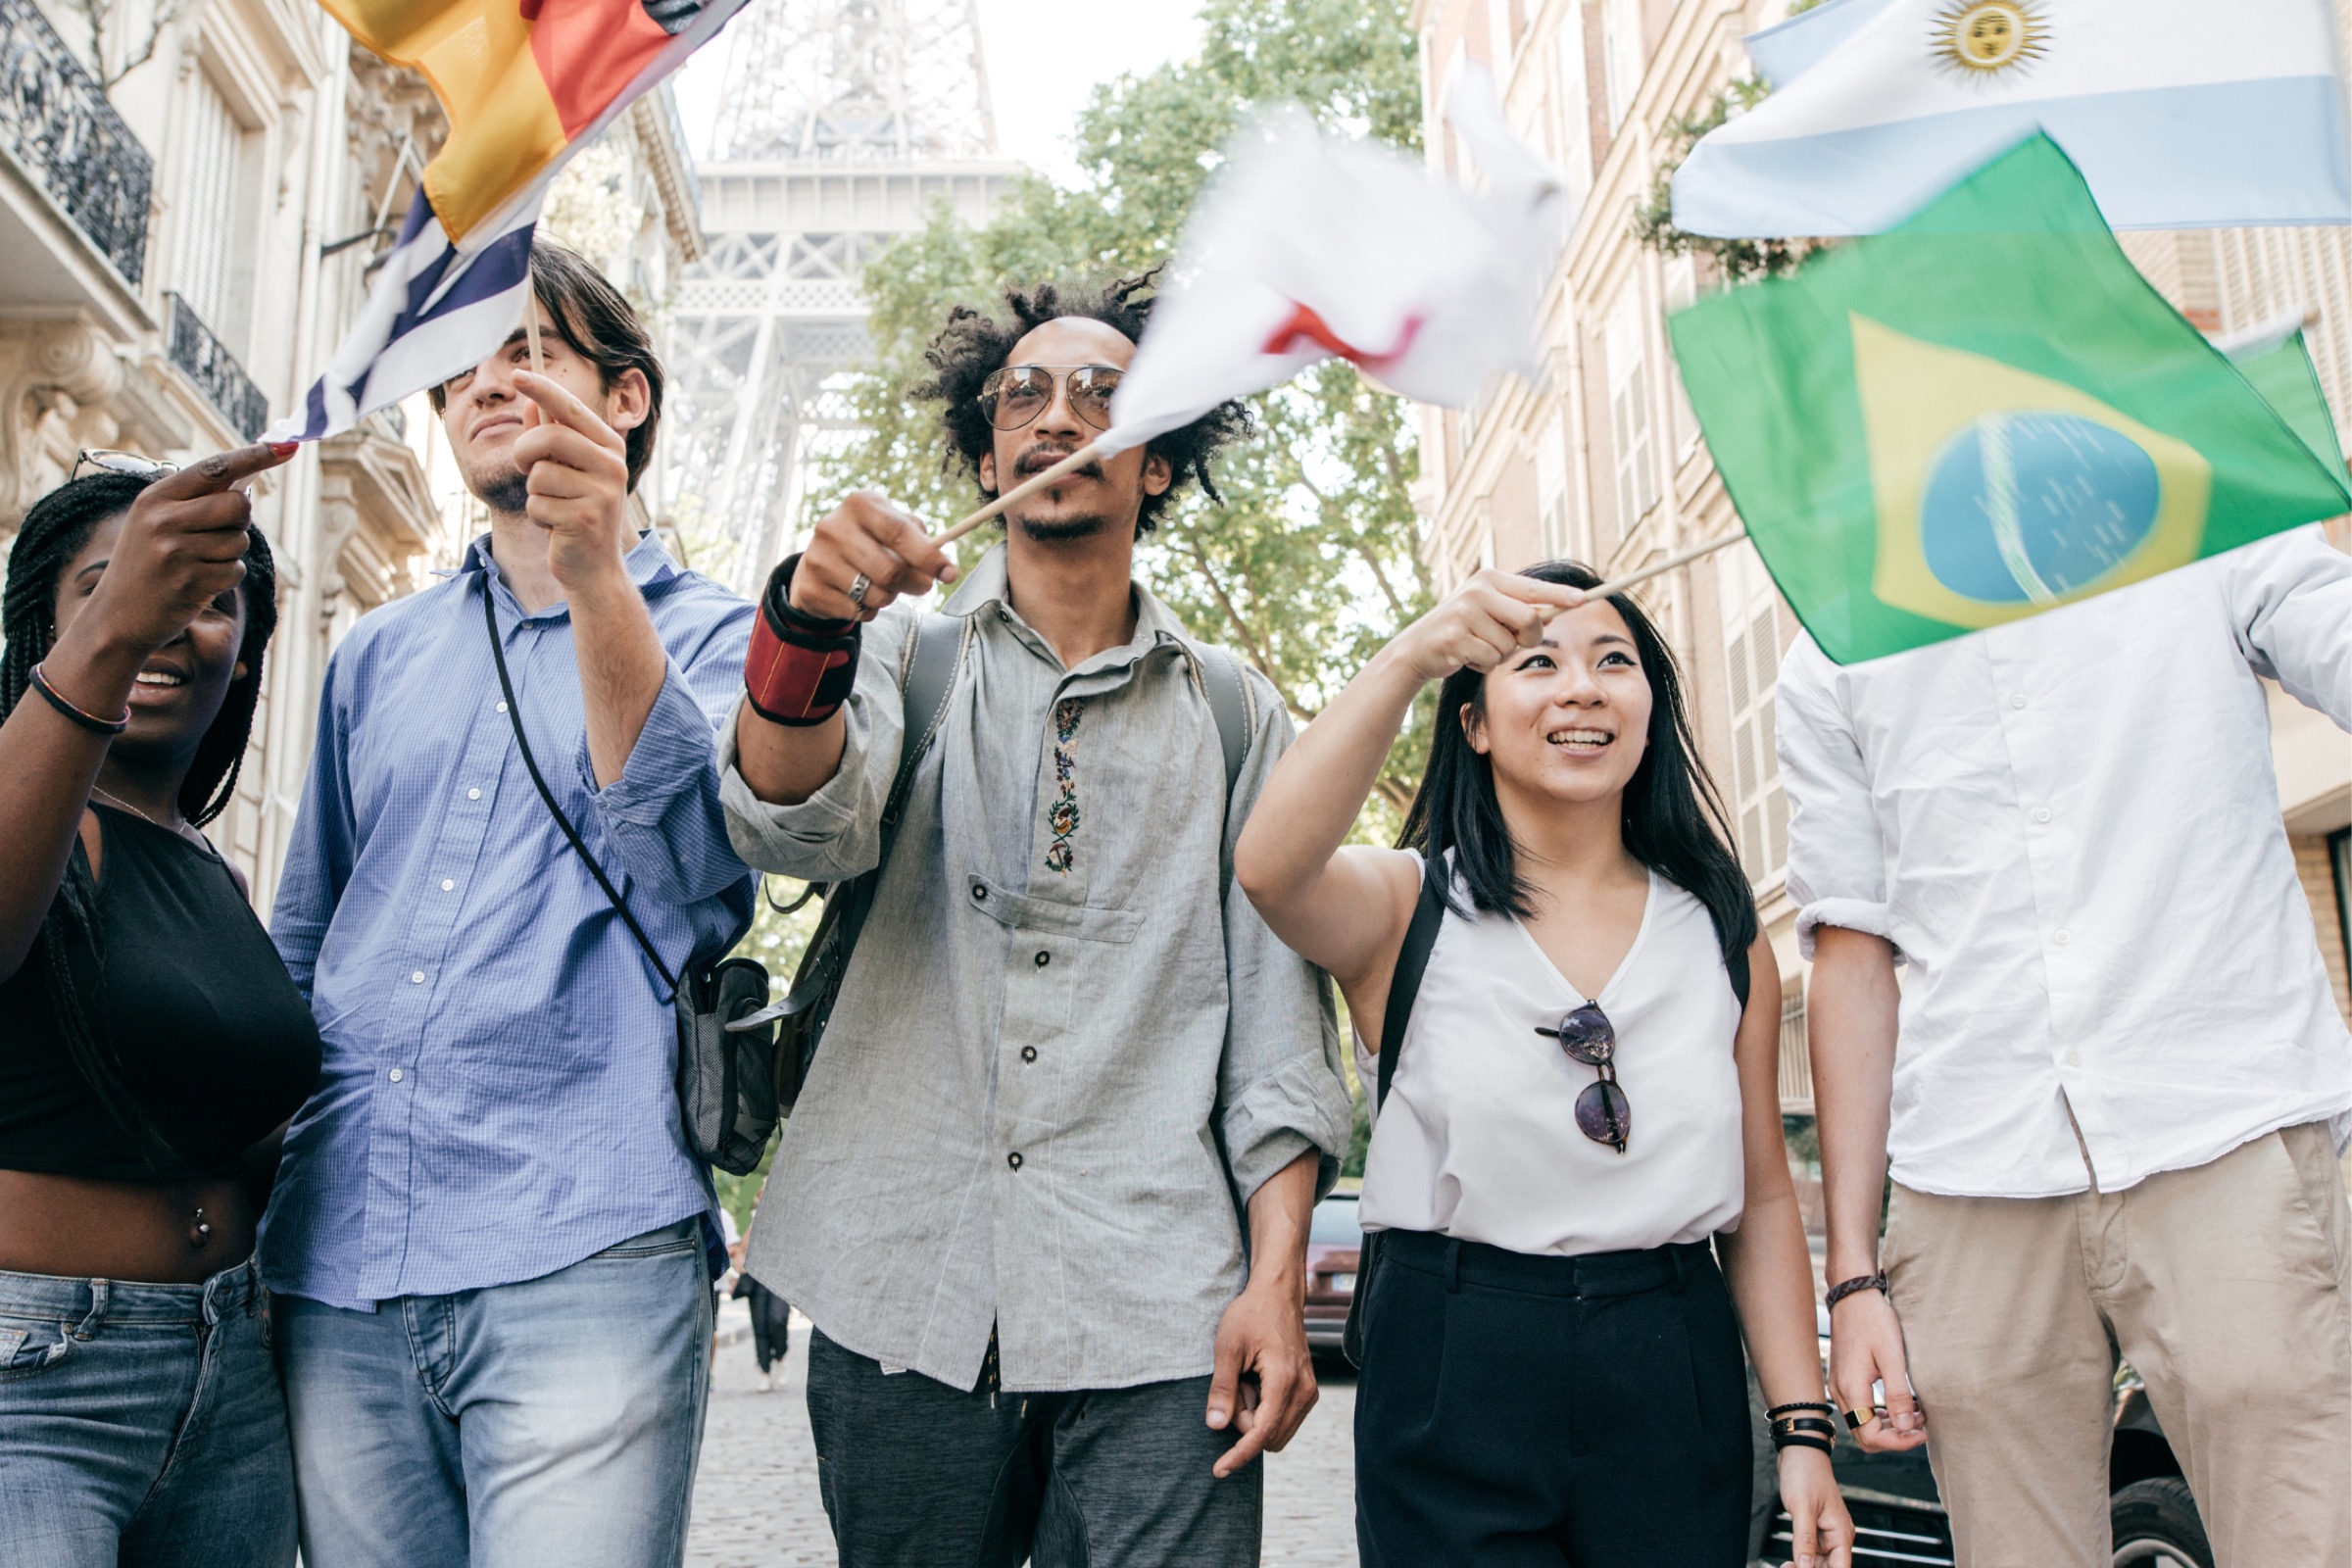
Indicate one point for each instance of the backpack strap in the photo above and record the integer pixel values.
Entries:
(1404, 984)
(1228, 692)
(927, 679)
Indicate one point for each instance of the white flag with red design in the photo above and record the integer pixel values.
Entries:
(1307, 246)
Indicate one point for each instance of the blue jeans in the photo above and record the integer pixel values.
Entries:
(142, 1424)
(551, 1421)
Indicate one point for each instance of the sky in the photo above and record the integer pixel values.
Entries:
(1041, 71)
(1041, 68)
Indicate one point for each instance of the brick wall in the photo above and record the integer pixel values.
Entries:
(2318, 886)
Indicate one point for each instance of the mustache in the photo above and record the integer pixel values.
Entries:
(1038, 458)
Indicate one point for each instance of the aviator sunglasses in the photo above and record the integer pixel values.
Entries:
(1014, 396)
(108, 460)
(1602, 1113)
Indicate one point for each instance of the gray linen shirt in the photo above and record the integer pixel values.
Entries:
(1066, 1050)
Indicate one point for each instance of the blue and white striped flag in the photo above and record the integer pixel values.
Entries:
(434, 310)
(2182, 113)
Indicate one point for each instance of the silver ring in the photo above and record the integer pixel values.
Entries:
(858, 587)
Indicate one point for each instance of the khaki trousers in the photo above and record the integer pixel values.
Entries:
(2227, 1287)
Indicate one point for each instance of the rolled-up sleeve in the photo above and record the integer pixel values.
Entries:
(835, 833)
(2290, 601)
(1836, 859)
(1281, 1088)
(663, 816)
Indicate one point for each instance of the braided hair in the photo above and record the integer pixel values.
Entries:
(72, 942)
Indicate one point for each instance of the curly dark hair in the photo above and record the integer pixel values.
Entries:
(972, 346)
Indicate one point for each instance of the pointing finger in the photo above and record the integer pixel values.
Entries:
(222, 470)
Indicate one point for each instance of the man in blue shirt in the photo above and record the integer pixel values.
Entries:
(488, 1238)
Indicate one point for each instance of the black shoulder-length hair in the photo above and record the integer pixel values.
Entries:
(1675, 823)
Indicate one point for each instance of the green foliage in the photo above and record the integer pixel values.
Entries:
(1654, 224)
(1312, 562)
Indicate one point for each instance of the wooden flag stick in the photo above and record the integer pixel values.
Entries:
(1020, 492)
(1682, 559)
(530, 321)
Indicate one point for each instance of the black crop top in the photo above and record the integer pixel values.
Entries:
(215, 1044)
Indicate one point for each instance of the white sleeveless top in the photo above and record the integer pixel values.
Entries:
(1479, 1138)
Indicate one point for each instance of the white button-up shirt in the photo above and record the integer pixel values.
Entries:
(2069, 826)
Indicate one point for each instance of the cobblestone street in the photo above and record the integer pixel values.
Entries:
(755, 1503)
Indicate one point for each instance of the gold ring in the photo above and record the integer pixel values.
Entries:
(1856, 1420)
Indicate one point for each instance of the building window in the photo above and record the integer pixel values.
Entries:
(1796, 1063)
(1575, 102)
(1682, 291)
(1629, 411)
(214, 275)
(1752, 652)
(1621, 61)
(1552, 492)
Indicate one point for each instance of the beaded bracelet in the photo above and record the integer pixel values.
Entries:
(109, 727)
(1779, 1411)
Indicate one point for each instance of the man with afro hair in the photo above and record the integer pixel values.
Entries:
(1046, 1192)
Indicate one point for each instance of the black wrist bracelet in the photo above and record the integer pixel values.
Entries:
(95, 723)
(1779, 1410)
(1860, 1282)
(1800, 1439)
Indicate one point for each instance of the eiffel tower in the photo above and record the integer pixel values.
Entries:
(842, 124)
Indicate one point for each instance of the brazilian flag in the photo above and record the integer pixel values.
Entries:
(1987, 412)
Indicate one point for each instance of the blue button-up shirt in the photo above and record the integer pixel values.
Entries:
(496, 1100)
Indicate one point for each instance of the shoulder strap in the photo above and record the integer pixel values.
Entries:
(1737, 963)
(1229, 703)
(1404, 984)
(927, 679)
(505, 686)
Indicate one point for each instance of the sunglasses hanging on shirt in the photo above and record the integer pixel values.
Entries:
(1602, 1113)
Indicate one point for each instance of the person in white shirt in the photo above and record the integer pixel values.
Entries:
(1581, 1108)
(2112, 1085)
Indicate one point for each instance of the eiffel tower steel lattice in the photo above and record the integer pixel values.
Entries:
(842, 124)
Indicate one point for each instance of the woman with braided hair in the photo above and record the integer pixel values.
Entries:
(151, 1043)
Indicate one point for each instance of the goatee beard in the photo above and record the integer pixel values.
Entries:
(1047, 533)
(506, 492)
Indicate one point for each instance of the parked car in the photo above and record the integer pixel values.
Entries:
(1898, 1518)
(1333, 1243)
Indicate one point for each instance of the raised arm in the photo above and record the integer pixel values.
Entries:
(809, 610)
(1347, 909)
(180, 548)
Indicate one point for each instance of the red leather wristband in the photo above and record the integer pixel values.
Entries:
(797, 669)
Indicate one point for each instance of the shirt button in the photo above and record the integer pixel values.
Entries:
(2042, 814)
(448, 885)
(1044, 959)
(2074, 1059)
(473, 795)
(418, 978)
(2019, 701)
(394, 1075)
(2063, 938)
(502, 708)
(980, 891)
(1013, 1159)
(1028, 1054)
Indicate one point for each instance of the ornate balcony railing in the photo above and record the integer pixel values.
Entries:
(60, 126)
(215, 371)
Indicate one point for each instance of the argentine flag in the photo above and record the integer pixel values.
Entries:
(2182, 113)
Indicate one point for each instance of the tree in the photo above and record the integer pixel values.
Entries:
(1312, 562)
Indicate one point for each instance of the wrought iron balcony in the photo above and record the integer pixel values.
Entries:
(215, 371)
(60, 126)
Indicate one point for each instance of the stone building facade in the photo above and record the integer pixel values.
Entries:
(1600, 458)
(191, 195)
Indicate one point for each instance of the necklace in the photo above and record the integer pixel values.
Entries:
(180, 829)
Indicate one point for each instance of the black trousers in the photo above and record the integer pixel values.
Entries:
(1516, 1411)
(916, 1474)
